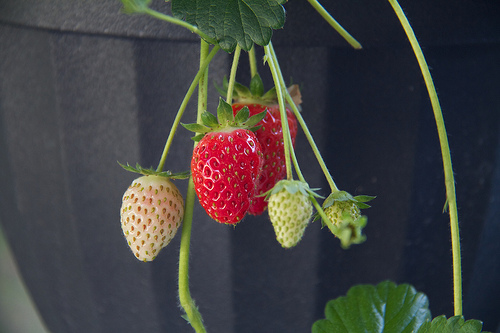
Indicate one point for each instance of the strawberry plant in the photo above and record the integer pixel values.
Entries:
(245, 160)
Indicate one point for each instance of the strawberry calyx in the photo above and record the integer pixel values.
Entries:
(359, 200)
(344, 216)
(152, 172)
(256, 94)
(292, 186)
(225, 121)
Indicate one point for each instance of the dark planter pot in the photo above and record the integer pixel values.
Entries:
(83, 86)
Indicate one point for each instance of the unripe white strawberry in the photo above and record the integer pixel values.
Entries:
(151, 214)
(290, 210)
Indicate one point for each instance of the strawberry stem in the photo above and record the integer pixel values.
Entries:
(335, 25)
(446, 156)
(312, 143)
(184, 103)
(232, 75)
(187, 303)
(272, 60)
(252, 61)
(181, 23)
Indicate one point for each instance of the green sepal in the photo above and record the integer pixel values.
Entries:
(241, 90)
(359, 200)
(270, 95)
(152, 172)
(256, 86)
(198, 137)
(255, 119)
(254, 94)
(292, 187)
(224, 113)
(209, 120)
(195, 127)
(242, 115)
(225, 120)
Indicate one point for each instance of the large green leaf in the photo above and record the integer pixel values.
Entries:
(386, 307)
(232, 22)
(455, 324)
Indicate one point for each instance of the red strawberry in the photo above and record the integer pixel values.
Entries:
(151, 214)
(226, 163)
(270, 136)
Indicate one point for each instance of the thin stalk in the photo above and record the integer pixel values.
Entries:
(275, 69)
(446, 156)
(187, 303)
(232, 75)
(182, 23)
(335, 25)
(182, 108)
(312, 143)
(252, 61)
(308, 134)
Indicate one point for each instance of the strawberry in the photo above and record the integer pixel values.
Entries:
(226, 163)
(290, 211)
(151, 213)
(344, 216)
(270, 135)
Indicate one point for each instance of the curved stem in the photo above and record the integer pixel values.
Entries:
(182, 23)
(187, 303)
(446, 156)
(313, 145)
(335, 25)
(272, 60)
(182, 108)
(232, 75)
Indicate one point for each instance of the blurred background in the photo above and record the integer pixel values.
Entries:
(83, 86)
(17, 313)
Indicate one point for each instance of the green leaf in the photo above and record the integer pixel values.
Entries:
(386, 307)
(233, 22)
(456, 324)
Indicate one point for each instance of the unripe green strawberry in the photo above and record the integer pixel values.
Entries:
(290, 210)
(344, 216)
(151, 214)
(339, 210)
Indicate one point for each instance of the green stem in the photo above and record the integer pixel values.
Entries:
(322, 11)
(182, 108)
(232, 75)
(446, 156)
(187, 303)
(182, 23)
(253, 62)
(272, 60)
(312, 143)
(309, 137)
